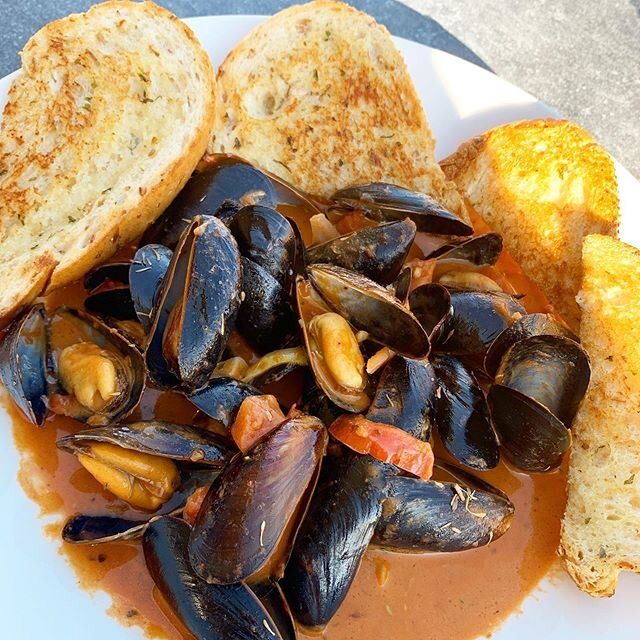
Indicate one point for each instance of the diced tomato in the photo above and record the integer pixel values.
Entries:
(257, 416)
(194, 504)
(384, 442)
(351, 222)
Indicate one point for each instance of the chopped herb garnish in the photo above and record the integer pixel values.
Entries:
(142, 77)
(327, 34)
(340, 162)
(35, 246)
(587, 520)
(315, 75)
(386, 137)
(71, 219)
(236, 144)
(630, 479)
(602, 553)
(283, 164)
(106, 190)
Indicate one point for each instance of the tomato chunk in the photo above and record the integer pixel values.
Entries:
(193, 504)
(384, 442)
(257, 416)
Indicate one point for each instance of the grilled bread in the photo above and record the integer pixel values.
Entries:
(107, 120)
(319, 95)
(544, 185)
(601, 527)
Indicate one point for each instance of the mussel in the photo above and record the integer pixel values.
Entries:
(109, 294)
(275, 365)
(382, 201)
(482, 250)
(221, 398)
(375, 252)
(197, 306)
(539, 386)
(461, 414)
(252, 512)
(371, 308)
(431, 305)
(402, 284)
(208, 611)
(23, 363)
(335, 534)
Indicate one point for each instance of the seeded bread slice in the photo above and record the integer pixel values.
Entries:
(601, 527)
(107, 120)
(544, 185)
(320, 95)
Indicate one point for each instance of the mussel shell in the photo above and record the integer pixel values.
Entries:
(111, 272)
(265, 317)
(335, 534)
(316, 403)
(266, 237)
(375, 252)
(533, 324)
(553, 370)
(204, 278)
(403, 397)
(371, 308)
(227, 179)
(146, 273)
(530, 435)
(427, 515)
(402, 284)
(208, 611)
(165, 439)
(482, 250)
(251, 513)
(384, 201)
(461, 415)
(115, 303)
(23, 363)
(275, 365)
(98, 529)
(273, 600)
(222, 397)
(476, 320)
(431, 305)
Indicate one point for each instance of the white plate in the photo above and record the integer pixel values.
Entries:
(38, 592)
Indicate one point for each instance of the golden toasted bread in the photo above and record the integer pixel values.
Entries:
(601, 527)
(107, 120)
(319, 95)
(544, 185)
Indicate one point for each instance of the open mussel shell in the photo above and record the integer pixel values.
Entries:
(207, 611)
(403, 397)
(382, 201)
(431, 305)
(266, 237)
(275, 365)
(375, 252)
(477, 318)
(272, 598)
(421, 516)
(402, 284)
(482, 250)
(197, 306)
(461, 415)
(251, 514)
(335, 534)
(265, 317)
(221, 398)
(23, 363)
(69, 327)
(98, 529)
(165, 439)
(315, 402)
(146, 273)
(533, 324)
(370, 307)
(114, 302)
(110, 273)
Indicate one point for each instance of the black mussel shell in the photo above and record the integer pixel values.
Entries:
(375, 252)
(384, 201)
(335, 534)
(533, 324)
(207, 611)
(221, 398)
(402, 284)
(431, 305)
(316, 403)
(476, 320)
(371, 308)
(428, 515)
(273, 600)
(228, 180)
(403, 397)
(483, 250)
(197, 306)
(165, 439)
(300, 260)
(23, 363)
(251, 514)
(461, 415)
(112, 273)
(266, 237)
(266, 316)
(114, 302)
(146, 273)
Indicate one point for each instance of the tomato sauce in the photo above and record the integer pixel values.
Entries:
(395, 596)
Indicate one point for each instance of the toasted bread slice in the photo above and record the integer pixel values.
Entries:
(601, 527)
(107, 120)
(319, 95)
(544, 185)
